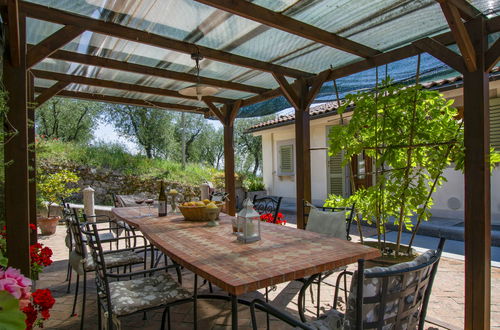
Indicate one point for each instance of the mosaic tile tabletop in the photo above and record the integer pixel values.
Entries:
(283, 254)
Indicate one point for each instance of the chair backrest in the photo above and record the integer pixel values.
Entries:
(116, 200)
(394, 297)
(349, 214)
(77, 236)
(267, 204)
(218, 196)
(97, 254)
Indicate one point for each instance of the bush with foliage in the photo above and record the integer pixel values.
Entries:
(51, 188)
(413, 135)
(253, 183)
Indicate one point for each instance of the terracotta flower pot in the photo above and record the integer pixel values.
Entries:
(48, 225)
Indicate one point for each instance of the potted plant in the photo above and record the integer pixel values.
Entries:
(51, 188)
(412, 135)
(254, 186)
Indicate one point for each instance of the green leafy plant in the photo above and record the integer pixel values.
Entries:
(52, 187)
(412, 135)
(253, 183)
(11, 316)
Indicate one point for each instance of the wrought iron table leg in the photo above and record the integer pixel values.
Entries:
(195, 302)
(234, 312)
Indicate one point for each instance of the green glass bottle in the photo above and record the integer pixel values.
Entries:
(162, 201)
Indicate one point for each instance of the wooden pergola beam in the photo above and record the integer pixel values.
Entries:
(121, 86)
(52, 43)
(285, 23)
(216, 111)
(151, 71)
(460, 34)
(125, 100)
(442, 53)
(49, 93)
(119, 31)
(492, 56)
(14, 37)
(467, 11)
(287, 90)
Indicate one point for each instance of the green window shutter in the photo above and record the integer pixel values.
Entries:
(495, 124)
(286, 160)
(336, 175)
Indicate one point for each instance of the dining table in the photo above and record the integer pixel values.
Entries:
(283, 253)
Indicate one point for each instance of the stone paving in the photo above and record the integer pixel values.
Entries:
(445, 307)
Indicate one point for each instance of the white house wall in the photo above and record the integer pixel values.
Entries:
(448, 199)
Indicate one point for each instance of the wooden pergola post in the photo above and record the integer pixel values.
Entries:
(17, 201)
(32, 154)
(300, 95)
(227, 115)
(477, 186)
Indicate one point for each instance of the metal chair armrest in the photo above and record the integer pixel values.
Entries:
(285, 317)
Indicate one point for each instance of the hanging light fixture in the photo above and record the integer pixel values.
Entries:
(199, 90)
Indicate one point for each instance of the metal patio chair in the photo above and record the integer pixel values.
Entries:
(394, 297)
(81, 263)
(350, 211)
(134, 292)
(267, 204)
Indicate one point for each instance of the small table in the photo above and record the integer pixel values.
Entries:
(284, 253)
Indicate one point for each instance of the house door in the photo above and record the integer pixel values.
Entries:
(362, 169)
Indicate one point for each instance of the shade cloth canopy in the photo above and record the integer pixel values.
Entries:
(379, 25)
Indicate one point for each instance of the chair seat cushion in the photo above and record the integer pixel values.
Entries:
(116, 259)
(333, 319)
(103, 237)
(147, 292)
(113, 259)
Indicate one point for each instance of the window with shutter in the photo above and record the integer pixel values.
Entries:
(286, 160)
(495, 124)
(336, 179)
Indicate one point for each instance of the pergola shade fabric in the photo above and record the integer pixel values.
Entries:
(379, 25)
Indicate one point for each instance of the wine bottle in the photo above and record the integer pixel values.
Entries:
(162, 201)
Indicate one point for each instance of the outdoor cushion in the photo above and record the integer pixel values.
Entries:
(373, 287)
(327, 222)
(112, 259)
(146, 292)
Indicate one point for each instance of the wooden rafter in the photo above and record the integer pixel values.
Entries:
(13, 28)
(141, 36)
(442, 53)
(151, 71)
(279, 21)
(121, 86)
(125, 100)
(467, 10)
(52, 43)
(459, 31)
(216, 111)
(492, 56)
(50, 92)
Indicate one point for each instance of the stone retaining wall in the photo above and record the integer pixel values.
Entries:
(106, 182)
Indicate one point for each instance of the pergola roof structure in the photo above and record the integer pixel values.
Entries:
(139, 52)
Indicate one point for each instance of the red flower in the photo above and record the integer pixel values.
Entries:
(31, 316)
(32, 226)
